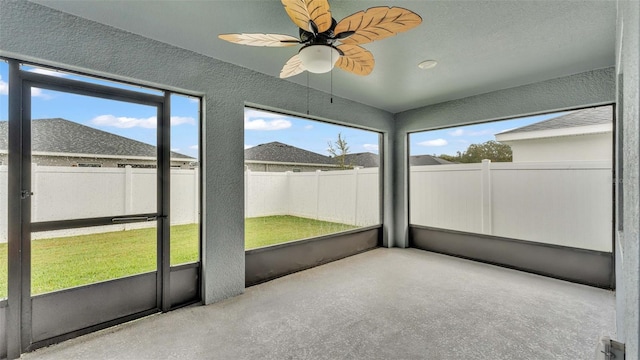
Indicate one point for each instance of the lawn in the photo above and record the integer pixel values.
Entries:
(78, 260)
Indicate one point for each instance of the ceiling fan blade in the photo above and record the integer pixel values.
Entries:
(356, 59)
(302, 12)
(292, 67)
(376, 23)
(276, 40)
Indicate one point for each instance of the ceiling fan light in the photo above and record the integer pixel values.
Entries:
(319, 58)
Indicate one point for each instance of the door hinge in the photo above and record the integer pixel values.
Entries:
(25, 194)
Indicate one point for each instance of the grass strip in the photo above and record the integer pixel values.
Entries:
(65, 262)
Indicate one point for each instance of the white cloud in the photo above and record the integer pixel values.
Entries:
(263, 125)
(434, 142)
(47, 72)
(461, 132)
(194, 147)
(482, 132)
(175, 149)
(4, 87)
(179, 120)
(309, 127)
(247, 146)
(124, 122)
(370, 147)
(37, 92)
(264, 121)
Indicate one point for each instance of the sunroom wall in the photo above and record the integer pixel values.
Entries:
(40, 34)
(595, 87)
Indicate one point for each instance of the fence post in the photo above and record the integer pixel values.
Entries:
(128, 192)
(318, 194)
(486, 197)
(247, 177)
(355, 191)
(196, 192)
(34, 190)
(289, 195)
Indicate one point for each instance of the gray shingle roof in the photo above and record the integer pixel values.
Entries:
(585, 117)
(365, 159)
(418, 160)
(279, 152)
(64, 136)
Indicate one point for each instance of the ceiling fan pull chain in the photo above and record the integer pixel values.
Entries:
(331, 81)
(307, 93)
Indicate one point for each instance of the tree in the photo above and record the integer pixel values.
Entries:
(475, 153)
(339, 152)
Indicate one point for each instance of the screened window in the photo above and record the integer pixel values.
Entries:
(306, 178)
(545, 178)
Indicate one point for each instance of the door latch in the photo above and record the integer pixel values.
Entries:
(25, 194)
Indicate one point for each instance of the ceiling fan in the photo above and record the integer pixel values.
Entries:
(327, 42)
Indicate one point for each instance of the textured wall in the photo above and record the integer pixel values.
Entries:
(33, 32)
(589, 88)
(628, 250)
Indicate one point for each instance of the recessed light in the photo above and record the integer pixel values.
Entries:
(427, 64)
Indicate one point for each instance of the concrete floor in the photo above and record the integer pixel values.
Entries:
(382, 304)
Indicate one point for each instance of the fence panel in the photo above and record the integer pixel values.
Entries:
(62, 193)
(562, 203)
(569, 206)
(446, 196)
(337, 196)
(265, 194)
(302, 194)
(368, 197)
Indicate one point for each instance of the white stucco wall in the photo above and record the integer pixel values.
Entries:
(32, 32)
(591, 147)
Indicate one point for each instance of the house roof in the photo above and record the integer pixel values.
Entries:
(364, 159)
(592, 116)
(418, 160)
(278, 152)
(283, 153)
(63, 136)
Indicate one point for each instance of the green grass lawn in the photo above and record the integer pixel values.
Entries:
(78, 260)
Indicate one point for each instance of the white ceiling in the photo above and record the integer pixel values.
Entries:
(480, 46)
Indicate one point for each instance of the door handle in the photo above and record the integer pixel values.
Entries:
(133, 218)
(25, 194)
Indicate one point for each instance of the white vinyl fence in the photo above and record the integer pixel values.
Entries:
(567, 204)
(561, 203)
(347, 196)
(63, 193)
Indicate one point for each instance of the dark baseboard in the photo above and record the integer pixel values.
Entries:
(582, 266)
(271, 262)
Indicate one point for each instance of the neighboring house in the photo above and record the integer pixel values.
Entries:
(581, 135)
(60, 142)
(362, 160)
(278, 157)
(419, 160)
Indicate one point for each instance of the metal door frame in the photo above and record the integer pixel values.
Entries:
(19, 314)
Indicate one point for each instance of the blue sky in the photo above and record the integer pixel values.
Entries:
(129, 120)
(138, 122)
(263, 127)
(451, 140)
